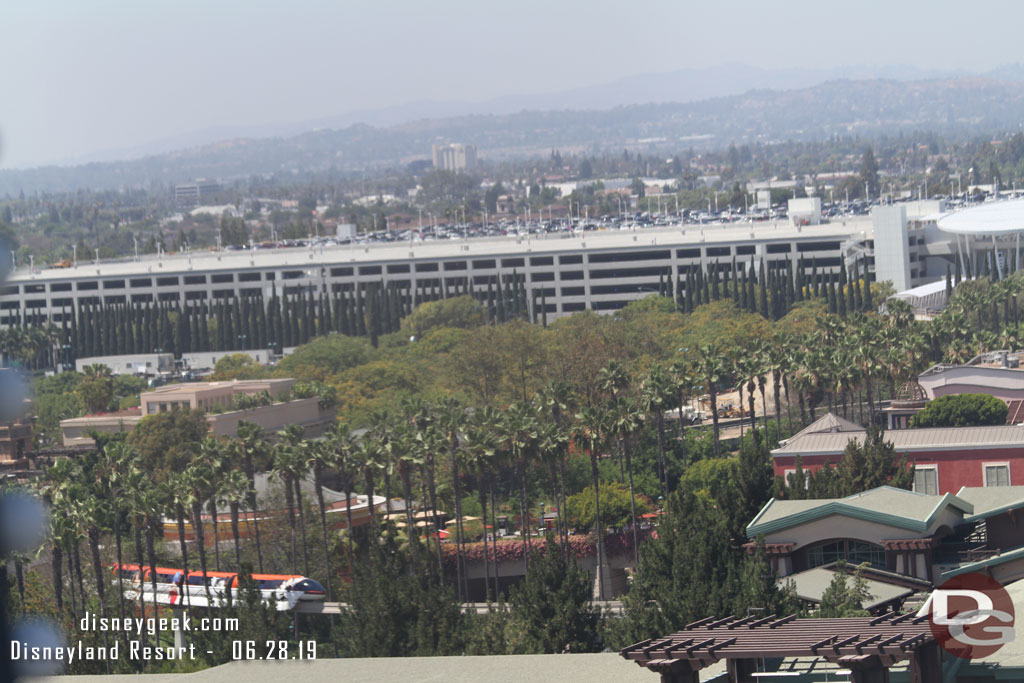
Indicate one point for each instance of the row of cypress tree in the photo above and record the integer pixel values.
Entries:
(370, 310)
(773, 290)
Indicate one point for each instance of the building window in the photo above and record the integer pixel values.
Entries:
(997, 474)
(926, 479)
(853, 552)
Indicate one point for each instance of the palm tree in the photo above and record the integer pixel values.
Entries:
(282, 468)
(481, 450)
(590, 428)
(211, 453)
(711, 368)
(613, 381)
(625, 421)
(520, 431)
(252, 446)
(557, 398)
(290, 465)
(451, 420)
(134, 482)
(655, 394)
(342, 448)
(321, 456)
(234, 490)
(180, 495)
(115, 462)
(683, 382)
(199, 477)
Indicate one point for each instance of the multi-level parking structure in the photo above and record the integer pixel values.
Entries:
(598, 270)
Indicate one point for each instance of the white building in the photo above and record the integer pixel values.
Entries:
(454, 157)
(140, 364)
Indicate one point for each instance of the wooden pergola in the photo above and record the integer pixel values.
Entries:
(867, 646)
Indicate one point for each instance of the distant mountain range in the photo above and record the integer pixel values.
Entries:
(692, 107)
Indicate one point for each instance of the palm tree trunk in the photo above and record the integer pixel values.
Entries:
(752, 406)
(741, 411)
(97, 566)
(200, 534)
(348, 516)
(140, 560)
(151, 557)
(871, 402)
(101, 582)
(236, 536)
(682, 403)
(597, 510)
(179, 512)
(458, 524)
(789, 404)
(764, 405)
(403, 474)
(524, 511)
(212, 507)
(494, 520)
(252, 504)
(777, 395)
(296, 481)
(432, 488)
(562, 503)
(78, 571)
(71, 582)
(660, 422)
(57, 573)
(289, 497)
(482, 493)
(118, 542)
(632, 502)
(713, 395)
(319, 488)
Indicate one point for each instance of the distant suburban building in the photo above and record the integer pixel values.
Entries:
(454, 157)
(136, 364)
(805, 211)
(216, 399)
(207, 360)
(190, 194)
(944, 458)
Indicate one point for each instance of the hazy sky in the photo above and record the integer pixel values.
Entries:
(77, 78)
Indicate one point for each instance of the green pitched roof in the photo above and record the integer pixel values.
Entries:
(883, 505)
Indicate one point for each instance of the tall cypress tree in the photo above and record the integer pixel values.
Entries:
(851, 301)
(763, 286)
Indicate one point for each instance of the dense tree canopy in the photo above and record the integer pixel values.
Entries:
(962, 410)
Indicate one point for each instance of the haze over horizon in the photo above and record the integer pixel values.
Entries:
(94, 82)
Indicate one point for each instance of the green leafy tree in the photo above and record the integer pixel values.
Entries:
(961, 410)
(615, 508)
(551, 610)
(460, 312)
(237, 366)
(167, 442)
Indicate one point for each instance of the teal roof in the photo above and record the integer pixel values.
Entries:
(993, 561)
(883, 505)
(811, 585)
(989, 501)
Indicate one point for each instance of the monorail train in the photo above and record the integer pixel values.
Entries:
(179, 588)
